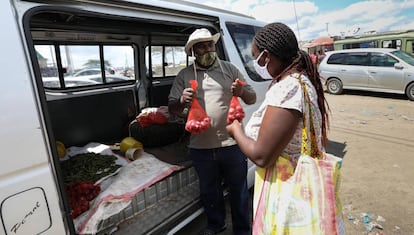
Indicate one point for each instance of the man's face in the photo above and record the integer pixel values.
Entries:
(201, 48)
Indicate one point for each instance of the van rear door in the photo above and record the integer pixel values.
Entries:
(28, 193)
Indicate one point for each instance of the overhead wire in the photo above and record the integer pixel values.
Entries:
(297, 22)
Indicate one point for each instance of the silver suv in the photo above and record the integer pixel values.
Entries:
(370, 69)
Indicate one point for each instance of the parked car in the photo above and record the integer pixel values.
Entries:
(53, 82)
(369, 69)
(109, 78)
(93, 71)
(87, 80)
(87, 72)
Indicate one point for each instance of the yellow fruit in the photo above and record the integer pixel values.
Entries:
(129, 142)
(61, 149)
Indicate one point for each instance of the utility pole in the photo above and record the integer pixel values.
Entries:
(327, 28)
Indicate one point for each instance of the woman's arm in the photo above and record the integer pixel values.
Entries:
(277, 129)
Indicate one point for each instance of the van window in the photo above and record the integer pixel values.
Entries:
(409, 47)
(242, 36)
(396, 43)
(382, 60)
(368, 44)
(68, 66)
(166, 61)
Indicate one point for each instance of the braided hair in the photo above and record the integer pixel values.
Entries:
(280, 40)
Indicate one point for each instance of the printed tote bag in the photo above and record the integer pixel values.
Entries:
(304, 200)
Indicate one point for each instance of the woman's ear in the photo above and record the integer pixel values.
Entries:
(267, 54)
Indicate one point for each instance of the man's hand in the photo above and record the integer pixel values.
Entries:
(187, 96)
(237, 87)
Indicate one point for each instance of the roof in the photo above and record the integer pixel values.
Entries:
(364, 50)
(322, 41)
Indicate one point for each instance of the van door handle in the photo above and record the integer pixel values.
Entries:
(372, 72)
(155, 82)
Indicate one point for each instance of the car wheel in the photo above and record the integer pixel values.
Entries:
(410, 91)
(334, 86)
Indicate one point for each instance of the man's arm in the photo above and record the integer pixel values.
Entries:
(180, 97)
(175, 106)
(245, 92)
(248, 95)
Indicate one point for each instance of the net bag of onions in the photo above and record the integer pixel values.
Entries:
(197, 120)
(236, 111)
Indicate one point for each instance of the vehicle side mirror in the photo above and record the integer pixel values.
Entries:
(398, 66)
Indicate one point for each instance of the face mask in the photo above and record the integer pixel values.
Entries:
(207, 59)
(261, 70)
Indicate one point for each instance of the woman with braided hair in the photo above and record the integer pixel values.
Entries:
(275, 129)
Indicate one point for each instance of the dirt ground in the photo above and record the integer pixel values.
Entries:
(374, 135)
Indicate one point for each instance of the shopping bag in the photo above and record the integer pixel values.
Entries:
(197, 120)
(302, 199)
(153, 116)
(236, 111)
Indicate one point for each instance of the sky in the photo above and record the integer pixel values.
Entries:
(322, 18)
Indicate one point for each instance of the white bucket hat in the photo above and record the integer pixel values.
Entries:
(200, 35)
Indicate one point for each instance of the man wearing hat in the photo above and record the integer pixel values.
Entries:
(215, 155)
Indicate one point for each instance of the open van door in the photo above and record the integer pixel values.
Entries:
(29, 197)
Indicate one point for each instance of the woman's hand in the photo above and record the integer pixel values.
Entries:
(233, 127)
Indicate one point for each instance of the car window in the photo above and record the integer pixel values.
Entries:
(382, 60)
(69, 66)
(336, 58)
(408, 58)
(357, 58)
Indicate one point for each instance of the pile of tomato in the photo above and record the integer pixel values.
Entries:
(80, 194)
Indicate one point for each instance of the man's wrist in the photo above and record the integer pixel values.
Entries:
(241, 92)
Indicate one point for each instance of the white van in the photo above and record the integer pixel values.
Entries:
(138, 45)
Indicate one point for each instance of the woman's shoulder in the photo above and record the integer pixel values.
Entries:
(286, 93)
(290, 83)
(297, 80)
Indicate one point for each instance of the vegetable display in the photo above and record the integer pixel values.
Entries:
(88, 167)
(80, 194)
(80, 174)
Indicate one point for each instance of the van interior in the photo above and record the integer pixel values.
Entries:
(96, 72)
